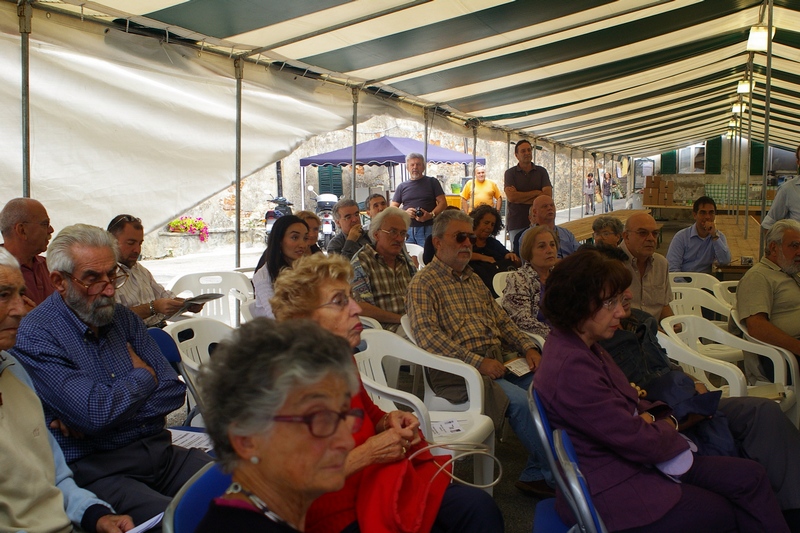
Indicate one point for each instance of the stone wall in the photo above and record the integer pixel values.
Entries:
(565, 166)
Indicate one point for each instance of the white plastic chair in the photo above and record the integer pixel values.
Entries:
(692, 301)
(477, 428)
(215, 282)
(246, 307)
(415, 250)
(725, 291)
(694, 280)
(692, 329)
(197, 337)
(499, 282)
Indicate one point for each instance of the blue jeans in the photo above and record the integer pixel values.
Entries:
(519, 415)
(418, 234)
(608, 205)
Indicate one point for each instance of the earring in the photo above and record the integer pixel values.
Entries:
(255, 460)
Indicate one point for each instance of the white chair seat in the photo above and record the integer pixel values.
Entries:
(234, 285)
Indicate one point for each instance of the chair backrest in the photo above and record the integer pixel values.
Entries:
(224, 308)
(170, 350)
(405, 321)
(499, 282)
(370, 323)
(577, 483)
(197, 337)
(545, 433)
(695, 280)
(415, 250)
(725, 291)
(692, 301)
(382, 343)
(190, 504)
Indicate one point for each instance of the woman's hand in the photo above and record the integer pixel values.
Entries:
(513, 258)
(482, 257)
(402, 421)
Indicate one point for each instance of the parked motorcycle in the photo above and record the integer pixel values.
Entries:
(325, 203)
(282, 207)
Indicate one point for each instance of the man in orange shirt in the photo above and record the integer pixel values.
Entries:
(486, 192)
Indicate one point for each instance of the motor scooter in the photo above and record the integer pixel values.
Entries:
(325, 203)
(282, 207)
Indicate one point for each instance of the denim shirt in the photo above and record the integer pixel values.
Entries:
(635, 348)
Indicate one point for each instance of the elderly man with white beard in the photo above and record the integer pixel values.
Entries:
(768, 296)
(104, 384)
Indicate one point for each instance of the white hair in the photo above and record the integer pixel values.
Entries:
(377, 222)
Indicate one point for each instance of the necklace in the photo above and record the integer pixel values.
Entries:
(257, 502)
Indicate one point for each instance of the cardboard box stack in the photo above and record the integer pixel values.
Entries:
(657, 191)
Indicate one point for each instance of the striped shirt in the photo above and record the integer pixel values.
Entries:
(89, 382)
(453, 314)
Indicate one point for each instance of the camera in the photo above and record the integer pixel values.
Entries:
(419, 212)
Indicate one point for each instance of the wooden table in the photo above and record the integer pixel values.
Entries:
(658, 208)
(738, 245)
(582, 227)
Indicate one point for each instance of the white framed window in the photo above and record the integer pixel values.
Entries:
(692, 159)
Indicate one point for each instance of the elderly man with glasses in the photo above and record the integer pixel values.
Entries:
(104, 384)
(141, 293)
(383, 271)
(26, 230)
(453, 314)
(651, 288)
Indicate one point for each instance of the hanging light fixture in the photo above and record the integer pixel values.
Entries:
(729, 134)
(738, 109)
(732, 123)
(757, 41)
(743, 87)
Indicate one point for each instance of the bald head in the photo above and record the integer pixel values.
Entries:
(26, 228)
(543, 211)
(641, 235)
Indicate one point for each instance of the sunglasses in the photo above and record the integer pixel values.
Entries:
(462, 236)
(122, 219)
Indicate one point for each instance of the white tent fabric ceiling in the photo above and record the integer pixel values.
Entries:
(631, 77)
(625, 77)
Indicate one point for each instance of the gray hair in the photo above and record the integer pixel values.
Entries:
(8, 260)
(14, 212)
(415, 155)
(390, 211)
(248, 379)
(444, 219)
(613, 223)
(775, 233)
(341, 204)
(60, 254)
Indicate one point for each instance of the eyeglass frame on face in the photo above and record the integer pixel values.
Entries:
(461, 236)
(44, 223)
(340, 305)
(644, 233)
(308, 420)
(394, 232)
(606, 233)
(101, 283)
(611, 303)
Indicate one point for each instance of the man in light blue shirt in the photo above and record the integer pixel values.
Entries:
(694, 249)
(787, 201)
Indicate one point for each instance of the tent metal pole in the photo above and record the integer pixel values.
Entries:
(355, 141)
(767, 94)
(303, 187)
(730, 172)
(238, 65)
(553, 181)
(508, 149)
(425, 137)
(474, 164)
(569, 198)
(737, 134)
(749, 145)
(25, 12)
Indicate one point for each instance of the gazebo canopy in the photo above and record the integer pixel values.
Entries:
(388, 151)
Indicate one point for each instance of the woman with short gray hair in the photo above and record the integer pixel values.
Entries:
(278, 411)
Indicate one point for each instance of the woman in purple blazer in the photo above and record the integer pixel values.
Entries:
(625, 443)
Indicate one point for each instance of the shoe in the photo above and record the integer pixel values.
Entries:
(539, 488)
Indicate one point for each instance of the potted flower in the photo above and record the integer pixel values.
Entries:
(192, 226)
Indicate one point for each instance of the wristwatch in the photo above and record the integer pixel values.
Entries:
(152, 308)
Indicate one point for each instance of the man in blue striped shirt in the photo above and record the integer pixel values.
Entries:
(105, 386)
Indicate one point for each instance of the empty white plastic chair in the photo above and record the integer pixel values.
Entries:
(222, 309)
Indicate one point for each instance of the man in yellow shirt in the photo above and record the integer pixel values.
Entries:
(486, 192)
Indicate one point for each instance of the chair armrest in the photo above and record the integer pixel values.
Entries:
(402, 398)
(538, 339)
(678, 351)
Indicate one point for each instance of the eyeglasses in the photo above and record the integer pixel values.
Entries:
(96, 287)
(340, 300)
(120, 219)
(394, 233)
(614, 301)
(643, 233)
(324, 423)
(462, 236)
(606, 234)
(44, 223)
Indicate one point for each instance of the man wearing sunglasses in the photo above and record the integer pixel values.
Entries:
(141, 293)
(383, 271)
(651, 288)
(26, 231)
(453, 314)
(104, 384)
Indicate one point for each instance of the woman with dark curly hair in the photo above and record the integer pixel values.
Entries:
(642, 473)
(489, 256)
